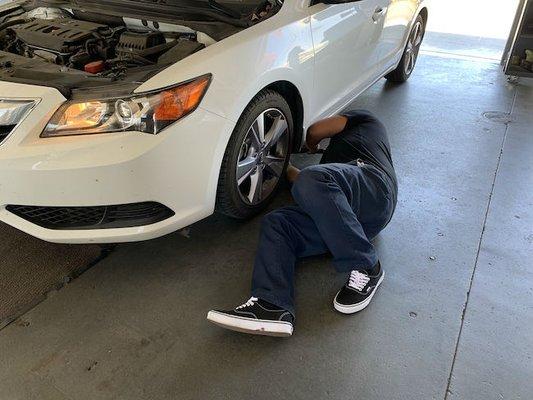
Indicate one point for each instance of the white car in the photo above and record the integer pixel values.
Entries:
(125, 120)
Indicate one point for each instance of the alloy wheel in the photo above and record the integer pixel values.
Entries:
(262, 156)
(413, 47)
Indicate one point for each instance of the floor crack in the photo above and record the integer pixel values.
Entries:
(465, 306)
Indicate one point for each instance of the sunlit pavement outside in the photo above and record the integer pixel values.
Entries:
(469, 28)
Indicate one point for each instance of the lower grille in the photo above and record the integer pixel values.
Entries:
(98, 217)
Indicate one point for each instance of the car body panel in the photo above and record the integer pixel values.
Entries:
(345, 38)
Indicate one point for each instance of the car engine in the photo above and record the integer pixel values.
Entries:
(94, 47)
(72, 48)
(64, 41)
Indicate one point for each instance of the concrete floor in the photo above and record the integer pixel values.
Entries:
(30, 268)
(453, 319)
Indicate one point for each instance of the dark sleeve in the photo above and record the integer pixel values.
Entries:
(342, 148)
(362, 126)
(358, 117)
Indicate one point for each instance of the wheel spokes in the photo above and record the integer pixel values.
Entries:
(275, 165)
(256, 186)
(418, 40)
(413, 47)
(418, 35)
(262, 157)
(245, 168)
(410, 62)
(415, 33)
(258, 129)
(279, 127)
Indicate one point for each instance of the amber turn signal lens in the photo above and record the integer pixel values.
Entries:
(177, 102)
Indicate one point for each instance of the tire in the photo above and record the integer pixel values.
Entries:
(408, 61)
(247, 163)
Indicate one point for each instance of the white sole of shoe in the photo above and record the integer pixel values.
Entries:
(251, 326)
(353, 308)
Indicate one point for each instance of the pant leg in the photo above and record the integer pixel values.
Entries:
(348, 207)
(286, 235)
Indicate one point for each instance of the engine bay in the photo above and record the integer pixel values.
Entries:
(63, 41)
(70, 48)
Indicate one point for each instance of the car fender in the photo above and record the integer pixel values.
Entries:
(278, 49)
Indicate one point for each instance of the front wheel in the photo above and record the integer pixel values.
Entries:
(410, 54)
(257, 156)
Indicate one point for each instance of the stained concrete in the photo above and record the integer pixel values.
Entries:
(31, 268)
(133, 327)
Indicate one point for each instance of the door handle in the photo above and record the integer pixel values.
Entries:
(379, 13)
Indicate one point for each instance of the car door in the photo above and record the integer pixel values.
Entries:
(397, 22)
(345, 40)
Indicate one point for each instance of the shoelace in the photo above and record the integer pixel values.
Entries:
(251, 301)
(358, 280)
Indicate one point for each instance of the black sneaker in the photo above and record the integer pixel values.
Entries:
(358, 291)
(256, 317)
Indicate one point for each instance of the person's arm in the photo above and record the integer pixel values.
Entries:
(317, 132)
(324, 129)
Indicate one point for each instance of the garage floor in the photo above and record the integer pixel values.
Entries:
(30, 269)
(453, 319)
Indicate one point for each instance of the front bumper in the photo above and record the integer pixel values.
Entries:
(178, 168)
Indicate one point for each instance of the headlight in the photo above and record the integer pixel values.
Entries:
(149, 113)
